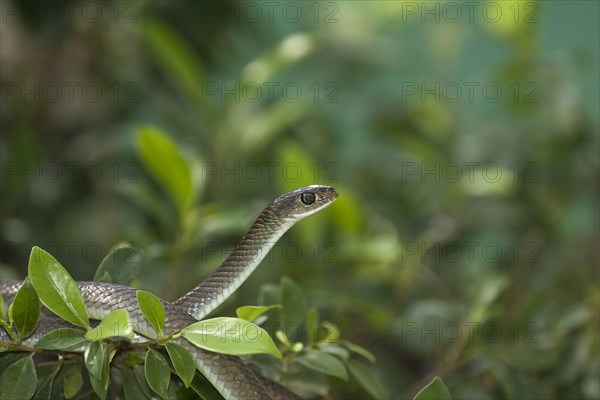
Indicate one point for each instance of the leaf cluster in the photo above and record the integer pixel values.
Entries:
(101, 344)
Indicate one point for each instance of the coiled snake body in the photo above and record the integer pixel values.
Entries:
(228, 374)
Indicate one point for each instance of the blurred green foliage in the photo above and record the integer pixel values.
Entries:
(464, 243)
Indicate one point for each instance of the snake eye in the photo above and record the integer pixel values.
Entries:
(308, 198)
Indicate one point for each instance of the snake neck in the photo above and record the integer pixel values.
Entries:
(243, 260)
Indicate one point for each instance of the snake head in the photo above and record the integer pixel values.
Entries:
(303, 202)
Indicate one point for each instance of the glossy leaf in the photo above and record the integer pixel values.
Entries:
(62, 339)
(152, 309)
(183, 362)
(16, 382)
(230, 336)
(73, 381)
(115, 324)
(367, 380)
(157, 373)
(204, 388)
(46, 374)
(10, 358)
(162, 159)
(55, 288)
(100, 387)
(121, 264)
(131, 387)
(435, 390)
(140, 377)
(293, 307)
(97, 360)
(251, 313)
(26, 309)
(323, 362)
(3, 311)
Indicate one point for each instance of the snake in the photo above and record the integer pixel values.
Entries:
(231, 377)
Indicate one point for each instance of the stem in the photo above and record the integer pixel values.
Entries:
(8, 328)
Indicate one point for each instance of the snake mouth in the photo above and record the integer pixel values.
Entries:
(328, 193)
(333, 193)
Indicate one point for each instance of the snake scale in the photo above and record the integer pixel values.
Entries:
(228, 374)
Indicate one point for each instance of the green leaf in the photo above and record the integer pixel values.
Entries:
(183, 362)
(162, 159)
(230, 336)
(340, 352)
(312, 325)
(293, 307)
(204, 388)
(333, 332)
(115, 324)
(269, 294)
(359, 350)
(435, 390)
(152, 309)
(144, 196)
(10, 358)
(62, 339)
(46, 374)
(56, 289)
(121, 265)
(251, 313)
(178, 60)
(3, 311)
(97, 361)
(73, 382)
(367, 380)
(157, 373)
(140, 377)
(131, 387)
(308, 381)
(323, 362)
(17, 381)
(26, 309)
